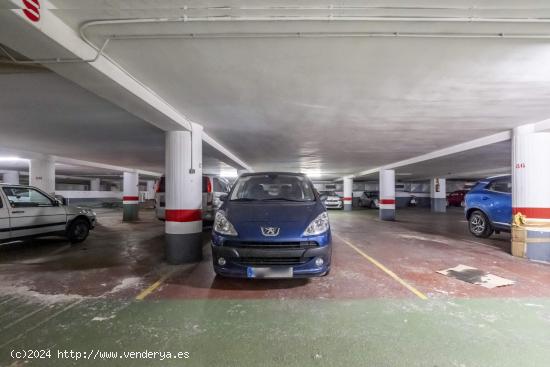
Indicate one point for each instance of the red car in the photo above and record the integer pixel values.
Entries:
(456, 198)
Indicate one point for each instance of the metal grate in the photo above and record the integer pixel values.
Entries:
(277, 245)
(270, 261)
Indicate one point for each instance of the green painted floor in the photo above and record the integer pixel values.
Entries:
(374, 332)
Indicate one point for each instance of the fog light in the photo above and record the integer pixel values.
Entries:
(319, 261)
(221, 261)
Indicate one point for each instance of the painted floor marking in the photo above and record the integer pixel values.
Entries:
(147, 291)
(24, 317)
(36, 326)
(384, 269)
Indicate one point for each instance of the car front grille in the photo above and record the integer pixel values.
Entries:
(276, 245)
(271, 261)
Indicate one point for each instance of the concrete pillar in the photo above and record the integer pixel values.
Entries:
(183, 225)
(387, 194)
(11, 177)
(438, 195)
(150, 189)
(531, 193)
(95, 184)
(42, 174)
(130, 196)
(348, 193)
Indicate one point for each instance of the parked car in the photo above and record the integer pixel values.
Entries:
(27, 212)
(212, 188)
(456, 198)
(369, 199)
(272, 225)
(489, 206)
(331, 200)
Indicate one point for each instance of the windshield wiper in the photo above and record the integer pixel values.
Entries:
(244, 199)
(284, 199)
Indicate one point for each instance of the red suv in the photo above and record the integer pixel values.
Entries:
(456, 198)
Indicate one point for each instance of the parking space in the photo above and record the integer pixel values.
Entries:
(265, 183)
(117, 289)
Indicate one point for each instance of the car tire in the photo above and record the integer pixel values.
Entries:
(479, 225)
(78, 230)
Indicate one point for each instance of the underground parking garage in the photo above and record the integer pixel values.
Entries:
(261, 183)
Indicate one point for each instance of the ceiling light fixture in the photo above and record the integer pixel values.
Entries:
(13, 159)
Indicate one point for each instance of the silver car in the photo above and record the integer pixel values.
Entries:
(27, 212)
(213, 187)
(331, 200)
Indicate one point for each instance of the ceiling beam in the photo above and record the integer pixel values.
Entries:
(62, 50)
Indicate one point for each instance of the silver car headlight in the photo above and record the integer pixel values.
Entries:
(318, 226)
(223, 226)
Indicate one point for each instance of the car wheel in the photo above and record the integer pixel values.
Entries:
(479, 225)
(78, 230)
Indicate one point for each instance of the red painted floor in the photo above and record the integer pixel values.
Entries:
(120, 260)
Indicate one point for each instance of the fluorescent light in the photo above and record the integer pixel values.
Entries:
(229, 173)
(13, 159)
(404, 174)
(313, 173)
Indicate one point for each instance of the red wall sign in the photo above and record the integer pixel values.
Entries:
(31, 8)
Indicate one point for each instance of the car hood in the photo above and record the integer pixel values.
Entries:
(291, 218)
(333, 198)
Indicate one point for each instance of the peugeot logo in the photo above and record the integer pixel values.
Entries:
(270, 231)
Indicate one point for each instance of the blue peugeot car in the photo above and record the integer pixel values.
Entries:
(272, 225)
(488, 206)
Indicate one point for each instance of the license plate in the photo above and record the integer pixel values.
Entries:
(267, 272)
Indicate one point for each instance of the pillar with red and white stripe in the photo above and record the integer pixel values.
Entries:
(348, 193)
(183, 213)
(130, 196)
(386, 201)
(531, 189)
(438, 195)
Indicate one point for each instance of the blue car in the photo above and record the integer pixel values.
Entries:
(272, 225)
(489, 206)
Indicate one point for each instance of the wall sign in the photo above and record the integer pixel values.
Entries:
(31, 9)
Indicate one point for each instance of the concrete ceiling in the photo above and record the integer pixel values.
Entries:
(472, 164)
(42, 112)
(336, 104)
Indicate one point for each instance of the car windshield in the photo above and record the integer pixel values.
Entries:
(282, 187)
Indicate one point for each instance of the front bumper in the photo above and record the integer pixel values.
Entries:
(334, 204)
(299, 255)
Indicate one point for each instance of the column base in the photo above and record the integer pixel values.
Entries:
(387, 214)
(438, 205)
(531, 243)
(183, 248)
(347, 207)
(130, 212)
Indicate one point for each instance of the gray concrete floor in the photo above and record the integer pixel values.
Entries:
(114, 294)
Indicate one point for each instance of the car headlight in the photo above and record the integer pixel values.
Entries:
(318, 225)
(223, 226)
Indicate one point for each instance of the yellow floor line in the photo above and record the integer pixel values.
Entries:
(384, 269)
(147, 291)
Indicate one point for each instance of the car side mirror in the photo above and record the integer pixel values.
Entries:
(223, 197)
(58, 202)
